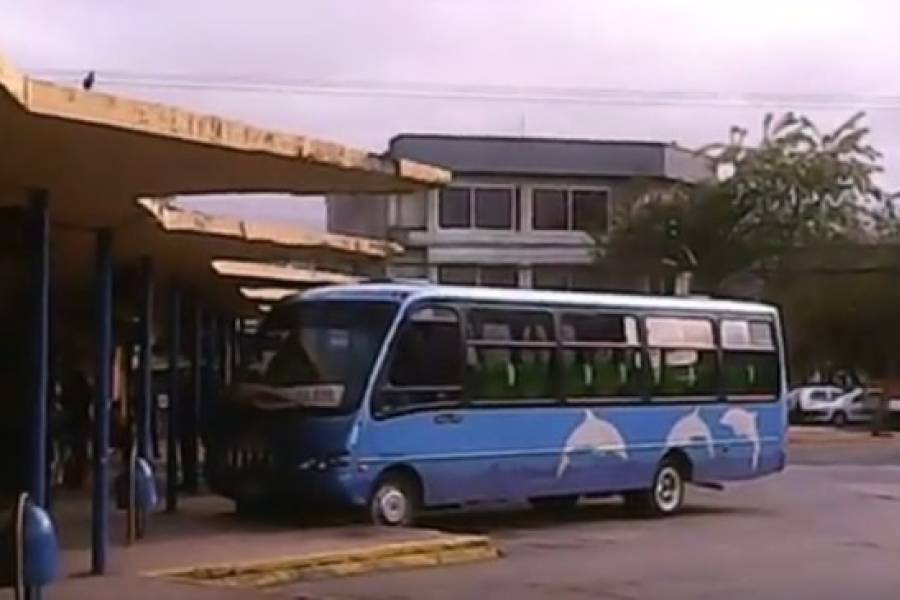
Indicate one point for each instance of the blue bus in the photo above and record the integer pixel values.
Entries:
(398, 397)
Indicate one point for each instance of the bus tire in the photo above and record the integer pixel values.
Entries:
(666, 495)
(396, 500)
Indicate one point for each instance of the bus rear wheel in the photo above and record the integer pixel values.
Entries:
(666, 495)
(395, 502)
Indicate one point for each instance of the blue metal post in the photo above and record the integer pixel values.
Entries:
(102, 402)
(238, 343)
(211, 371)
(174, 403)
(40, 339)
(145, 395)
(191, 408)
(227, 349)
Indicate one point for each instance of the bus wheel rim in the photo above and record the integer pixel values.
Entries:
(668, 489)
(393, 505)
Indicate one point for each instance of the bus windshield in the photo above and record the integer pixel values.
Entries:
(315, 354)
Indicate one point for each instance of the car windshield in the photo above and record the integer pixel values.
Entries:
(316, 354)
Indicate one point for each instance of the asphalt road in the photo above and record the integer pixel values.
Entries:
(827, 528)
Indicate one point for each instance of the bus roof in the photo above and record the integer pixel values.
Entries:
(410, 291)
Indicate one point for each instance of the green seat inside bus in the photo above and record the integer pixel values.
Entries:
(603, 376)
(750, 373)
(533, 379)
(695, 378)
(494, 375)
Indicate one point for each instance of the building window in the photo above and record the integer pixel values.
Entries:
(409, 271)
(493, 208)
(494, 276)
(557, 209)
(590, 210)
(587, 279)
(479, 207)
(550, 278)
(455, 211)
(499, 277)
(550, 209)
(458, 275)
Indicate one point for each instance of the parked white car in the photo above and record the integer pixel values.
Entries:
(829, 404)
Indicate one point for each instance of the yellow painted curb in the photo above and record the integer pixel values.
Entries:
(441, 551)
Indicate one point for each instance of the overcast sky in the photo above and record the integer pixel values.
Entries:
(785, 47)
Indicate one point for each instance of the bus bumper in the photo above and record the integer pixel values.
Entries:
(333, 487)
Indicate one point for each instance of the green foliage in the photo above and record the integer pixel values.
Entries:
(795, 187)
(781, 209)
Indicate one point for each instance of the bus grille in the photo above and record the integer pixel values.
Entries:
(240, 459)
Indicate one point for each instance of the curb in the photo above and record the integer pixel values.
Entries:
(442, 551)
(823, 440)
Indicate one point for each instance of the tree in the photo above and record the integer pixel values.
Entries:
(796, 188)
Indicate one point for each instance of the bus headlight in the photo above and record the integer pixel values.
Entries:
(332, 461)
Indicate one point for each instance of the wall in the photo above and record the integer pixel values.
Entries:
(358, 214)
(687, 166)
(412, 220)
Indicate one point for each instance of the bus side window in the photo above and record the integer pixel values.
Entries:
(510, 355)
(424, 363)
(682, 357)
(750, 360)
(601, 356)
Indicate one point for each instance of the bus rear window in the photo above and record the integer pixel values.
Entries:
(750, 361)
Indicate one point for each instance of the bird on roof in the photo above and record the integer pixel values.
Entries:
(88, 82)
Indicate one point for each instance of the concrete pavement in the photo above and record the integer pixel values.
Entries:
(813, 532)
(817, 532)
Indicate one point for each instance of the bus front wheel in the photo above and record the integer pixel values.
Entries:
(396, 501)
(665, 496)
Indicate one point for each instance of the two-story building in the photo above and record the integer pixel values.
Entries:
(520, 212)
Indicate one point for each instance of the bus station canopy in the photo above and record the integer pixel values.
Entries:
(186, 246)
(260, 273)
(97, 152)
(100, 156)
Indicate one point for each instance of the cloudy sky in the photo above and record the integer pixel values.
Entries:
(650, 69)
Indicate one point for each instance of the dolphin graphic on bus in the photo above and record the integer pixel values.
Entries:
(689, 430)
(594, 434)
(744, 424)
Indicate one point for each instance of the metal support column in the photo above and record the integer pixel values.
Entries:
(174, 401)
(212, 362)
(102, 402)
(227, 350)
(191, 408)
(40, 339)
(146, 401)
(238, 346)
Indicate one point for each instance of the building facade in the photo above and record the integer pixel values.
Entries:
(520, 212)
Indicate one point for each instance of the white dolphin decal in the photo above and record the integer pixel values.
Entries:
(690, 429)
(592, 434)
(743, 423)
